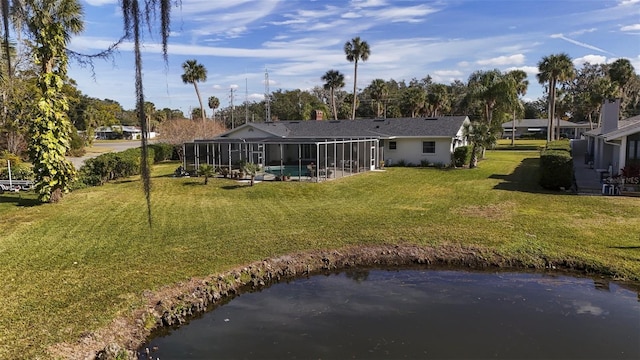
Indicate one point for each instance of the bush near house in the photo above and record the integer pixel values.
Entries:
(163, 151)
(112, 166)
(556, 166)
(461, 156)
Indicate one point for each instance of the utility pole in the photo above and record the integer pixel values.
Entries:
(232, 108)
(246, 101)
(267, 98)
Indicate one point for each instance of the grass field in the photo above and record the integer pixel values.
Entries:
(73, 267)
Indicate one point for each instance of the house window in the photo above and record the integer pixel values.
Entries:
(392, 145)
(428, 147)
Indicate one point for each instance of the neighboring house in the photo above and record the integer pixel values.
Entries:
(537, 128)
(345, 146)
(120, 132)
(616, 144)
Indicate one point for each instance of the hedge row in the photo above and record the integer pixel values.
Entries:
(112, 166)
(556, 166)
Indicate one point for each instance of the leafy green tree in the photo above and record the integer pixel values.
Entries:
(553, 69)
(207, 171)
(333, 79)
(193, 74)
(213, 103)
(356, 50)
(516, 86)
(51, 24)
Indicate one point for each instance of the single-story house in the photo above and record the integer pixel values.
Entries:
(331, 148)
(537, 128)
(616, 144)
(120, 132)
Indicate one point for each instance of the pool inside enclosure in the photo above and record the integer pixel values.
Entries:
(315, 160)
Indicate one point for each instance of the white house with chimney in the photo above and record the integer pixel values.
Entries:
(616, 144)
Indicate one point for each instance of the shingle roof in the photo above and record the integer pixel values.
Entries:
(541, 123)
(625, 126)
(446, 126)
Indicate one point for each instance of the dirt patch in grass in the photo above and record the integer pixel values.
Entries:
(173, 305)
(499, 211)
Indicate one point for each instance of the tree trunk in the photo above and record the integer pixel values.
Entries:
(355, 79)
(333, 103)
(474, 157)
(552, 109)
(195, 85)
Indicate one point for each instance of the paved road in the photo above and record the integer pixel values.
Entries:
(107, 146)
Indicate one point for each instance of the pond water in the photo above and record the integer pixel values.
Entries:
(416, 314)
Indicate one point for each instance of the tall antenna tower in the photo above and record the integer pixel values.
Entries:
(232, 108)
(267, 98)
(246, 101)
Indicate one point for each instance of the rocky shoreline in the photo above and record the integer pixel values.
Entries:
(174, 305)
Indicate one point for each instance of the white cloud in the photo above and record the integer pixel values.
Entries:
(583, 31)
(516, 59)
(634, 27)
(368, 3)
(628, 2)
(100, 2)
(591, 59)
(530, 70)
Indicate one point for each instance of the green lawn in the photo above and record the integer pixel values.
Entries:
(74, 266)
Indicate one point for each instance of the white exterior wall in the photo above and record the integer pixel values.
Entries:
(410, 150)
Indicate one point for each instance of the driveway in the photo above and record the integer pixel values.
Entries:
(104, 146)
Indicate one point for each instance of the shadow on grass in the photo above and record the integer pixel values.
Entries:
(523, 179)
(193, 183)
(233, 187)
(625, 247)
(19, 200)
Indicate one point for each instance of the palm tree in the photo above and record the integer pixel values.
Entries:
(517, 84)
(251, 169)
(206, 170)
(437, 98)
(333, 79)
(489, 88)
(214, 103)
(620, 72)
(482, 135)
(379, 93)
(193, 74)
(414, 98)
(356, 50)
(554, 68)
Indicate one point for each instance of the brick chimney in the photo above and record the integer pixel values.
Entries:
(316, 115)
(610, 115)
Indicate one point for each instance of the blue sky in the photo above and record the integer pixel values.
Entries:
(297, 41)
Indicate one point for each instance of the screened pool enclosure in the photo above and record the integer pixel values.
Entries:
(299, 159)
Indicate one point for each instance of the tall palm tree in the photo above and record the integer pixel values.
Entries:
(193, 74)
(213, 103)
(553, 69)
(356, 50)
(333, 79)
(620, 72)
(379, 94)
(489, 88)
(517, 85)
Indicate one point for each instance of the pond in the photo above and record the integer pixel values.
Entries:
(416, 314)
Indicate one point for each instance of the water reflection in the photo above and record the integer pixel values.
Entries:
(417, 314)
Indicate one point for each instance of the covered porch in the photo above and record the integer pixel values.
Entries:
(298, 159)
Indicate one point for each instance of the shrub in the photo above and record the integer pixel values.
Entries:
(461, 156)
(76, 145)
(19, 171)
(563, 145)
(162, 152)
(556, 169)
(112, 166)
